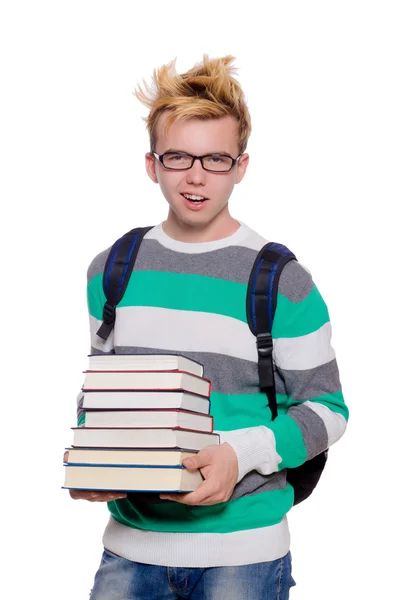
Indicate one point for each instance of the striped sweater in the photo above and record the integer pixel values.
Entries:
(190, 298)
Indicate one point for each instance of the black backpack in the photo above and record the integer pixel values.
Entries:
(261, 304)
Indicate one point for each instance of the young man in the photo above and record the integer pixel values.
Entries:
(229, 539)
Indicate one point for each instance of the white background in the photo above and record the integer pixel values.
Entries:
(320, 81)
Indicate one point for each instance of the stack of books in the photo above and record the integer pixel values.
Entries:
(144, 414)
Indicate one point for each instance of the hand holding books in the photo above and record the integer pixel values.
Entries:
(219, 467)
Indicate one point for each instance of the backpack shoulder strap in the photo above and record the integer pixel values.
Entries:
(117, 273)
(261, 306)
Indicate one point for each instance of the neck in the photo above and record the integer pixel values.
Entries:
(221, 227)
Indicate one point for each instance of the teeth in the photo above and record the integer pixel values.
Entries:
(193, 197)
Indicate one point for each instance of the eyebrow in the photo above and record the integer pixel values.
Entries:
(185, 152)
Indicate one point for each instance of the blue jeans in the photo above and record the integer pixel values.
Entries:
(121, 579)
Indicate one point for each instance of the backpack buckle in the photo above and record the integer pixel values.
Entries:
(109, 313)
(264, 344)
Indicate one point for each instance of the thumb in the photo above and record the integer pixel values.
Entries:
(201, 459)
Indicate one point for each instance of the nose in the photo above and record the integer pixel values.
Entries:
(196, 174)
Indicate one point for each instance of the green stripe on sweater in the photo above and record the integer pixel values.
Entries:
(178, 291)
(175, 291)
(296, 319)
(290, 444)
(247, 512)
(237, 411)
(206, 294)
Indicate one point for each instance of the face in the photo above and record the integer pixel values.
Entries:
(197, 137)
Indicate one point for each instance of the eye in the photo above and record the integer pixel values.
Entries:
(175, 157)
(176, 160)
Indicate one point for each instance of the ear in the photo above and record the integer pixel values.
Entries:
(242, 166)
(151, 167)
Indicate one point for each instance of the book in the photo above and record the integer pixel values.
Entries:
(129, 437)
(130, 478)
(150, 380)
(140, 400)
(149, 418)
(112, 456)
(143, 362)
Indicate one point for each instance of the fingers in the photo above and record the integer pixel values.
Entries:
(106, 497)
(201, 459)
(95, 496)
(202, 496)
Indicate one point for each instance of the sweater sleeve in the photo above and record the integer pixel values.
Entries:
(312, 414)
(95, 303)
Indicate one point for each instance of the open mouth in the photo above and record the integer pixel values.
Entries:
(194, 199)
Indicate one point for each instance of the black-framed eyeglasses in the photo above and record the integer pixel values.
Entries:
(182, 161)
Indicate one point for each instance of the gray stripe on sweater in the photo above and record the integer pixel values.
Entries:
(223, 371)
(97, 265)
(233, 263)
(295, 282)
(314, 433)
(312, 382)
(255, 483)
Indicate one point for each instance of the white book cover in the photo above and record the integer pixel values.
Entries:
(149, 380)
(144, 362)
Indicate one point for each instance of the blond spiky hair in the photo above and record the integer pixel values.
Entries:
(207, 91)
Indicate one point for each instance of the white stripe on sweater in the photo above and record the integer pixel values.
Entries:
(306, 351)
(184, 330)
(198, 549)
(194, 331)
(96, 341)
